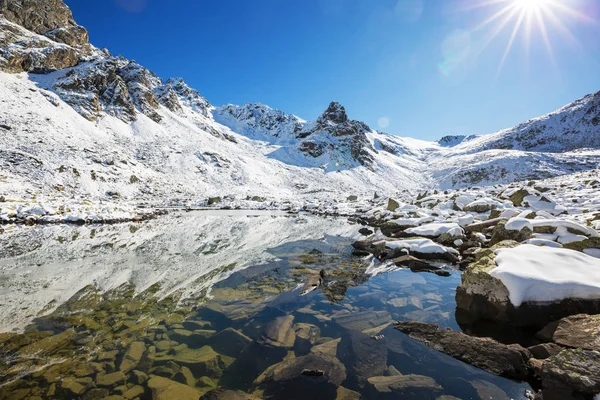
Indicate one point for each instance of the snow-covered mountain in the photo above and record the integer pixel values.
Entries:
(79, 122)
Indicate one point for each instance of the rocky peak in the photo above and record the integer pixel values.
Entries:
(335, 113)
(187, 96)
(51, 18)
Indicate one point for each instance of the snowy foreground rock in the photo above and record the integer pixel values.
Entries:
(529, 285)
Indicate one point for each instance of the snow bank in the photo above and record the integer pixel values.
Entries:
(425, 246)
(437, 229)
(545, 274)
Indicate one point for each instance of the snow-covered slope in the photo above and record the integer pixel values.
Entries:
(77, 122)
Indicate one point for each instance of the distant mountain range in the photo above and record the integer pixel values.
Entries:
(81, 122)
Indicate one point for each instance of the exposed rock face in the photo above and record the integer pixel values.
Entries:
(186, 95)
(509, 361)
(481, 296)
(40, 36)
(45, 17)
(71, 35)
(22, 51)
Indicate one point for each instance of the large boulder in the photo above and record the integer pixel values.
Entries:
(483, 295)
(510, 361)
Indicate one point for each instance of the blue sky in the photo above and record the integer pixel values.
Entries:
(420, 68)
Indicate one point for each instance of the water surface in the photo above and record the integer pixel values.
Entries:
(207, 300)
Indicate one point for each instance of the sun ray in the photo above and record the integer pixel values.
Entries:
(561, 26)
(510, 42)
(512, 9)
(497, 29)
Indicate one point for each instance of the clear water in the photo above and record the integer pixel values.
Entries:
(74, 299)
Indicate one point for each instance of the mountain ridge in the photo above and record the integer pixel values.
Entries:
(131, 135)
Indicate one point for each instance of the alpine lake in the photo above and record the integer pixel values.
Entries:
(221, 305)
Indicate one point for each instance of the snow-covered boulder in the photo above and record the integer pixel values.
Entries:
(528, 285)
(435, 230)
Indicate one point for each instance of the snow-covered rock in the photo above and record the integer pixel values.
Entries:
(528, 285)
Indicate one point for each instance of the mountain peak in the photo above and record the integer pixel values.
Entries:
(335, 113)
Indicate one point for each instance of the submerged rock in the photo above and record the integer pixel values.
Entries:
(303, 377)
(509, 361)
(362, 356)
(166, 389)
(404, 386)
(279, 333)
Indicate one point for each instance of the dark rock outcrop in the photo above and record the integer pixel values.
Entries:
(509, 361)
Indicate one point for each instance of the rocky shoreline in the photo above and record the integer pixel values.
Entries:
(536, 331)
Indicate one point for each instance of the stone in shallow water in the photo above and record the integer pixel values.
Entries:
(363, 320)
(362, 355)
(487, 390)
(166, 389)
(224, 394)
(132, 356)
(499, 359)
(346, 394)
(203, 362)
(134, 392)
(400, 386)
(306, 336)
(279, 333)
(303, 376)
(110, 379)
(229, 342)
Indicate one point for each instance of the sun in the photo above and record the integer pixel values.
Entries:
(529, 20)
(532, 6)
